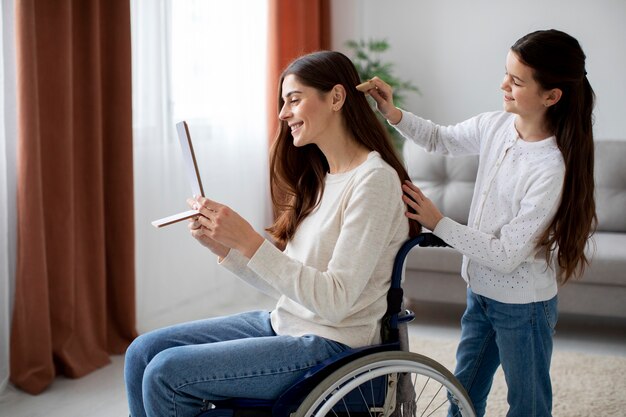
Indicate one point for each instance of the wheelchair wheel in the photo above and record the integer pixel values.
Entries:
(373, 385)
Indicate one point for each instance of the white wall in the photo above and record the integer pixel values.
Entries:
(454, 50)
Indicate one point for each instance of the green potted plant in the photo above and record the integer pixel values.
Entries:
(368, 63)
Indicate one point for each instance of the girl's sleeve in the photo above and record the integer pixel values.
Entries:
(371, 219)
(517, 240)
(459, 139)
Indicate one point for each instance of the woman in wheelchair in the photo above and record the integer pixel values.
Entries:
(336, 190)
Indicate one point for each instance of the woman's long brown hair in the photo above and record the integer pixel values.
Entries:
(558, 61)
(297, 173)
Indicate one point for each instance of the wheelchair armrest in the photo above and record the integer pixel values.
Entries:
(395, 295)
(431, 240)
(421, 240)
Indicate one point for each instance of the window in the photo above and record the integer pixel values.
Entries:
(203, 61)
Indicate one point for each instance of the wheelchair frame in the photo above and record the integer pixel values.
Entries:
(324, 389)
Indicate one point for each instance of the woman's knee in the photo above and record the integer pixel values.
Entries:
(139, 350)
(160, 374)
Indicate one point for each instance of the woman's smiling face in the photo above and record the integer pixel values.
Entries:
(306, 110)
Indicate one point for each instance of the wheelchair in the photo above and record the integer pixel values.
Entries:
(374, 381)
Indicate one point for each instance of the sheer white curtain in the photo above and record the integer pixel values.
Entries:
(7, 183)
(203, 61)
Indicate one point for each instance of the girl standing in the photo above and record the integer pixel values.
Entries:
(532, 213)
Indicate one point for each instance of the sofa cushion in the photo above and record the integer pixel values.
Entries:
(610, 176)
(447, 181)
(607, 252)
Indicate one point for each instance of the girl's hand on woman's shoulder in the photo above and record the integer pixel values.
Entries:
(425, 210)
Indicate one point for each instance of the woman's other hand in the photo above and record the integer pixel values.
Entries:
(382, 93)
(425, 211)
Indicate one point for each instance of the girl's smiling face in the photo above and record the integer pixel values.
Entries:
(522, 94)
(306, 110)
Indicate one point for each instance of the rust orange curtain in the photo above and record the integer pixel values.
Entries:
(74, 296)
(295, 27)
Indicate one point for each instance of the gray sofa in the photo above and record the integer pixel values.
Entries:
(433, 274)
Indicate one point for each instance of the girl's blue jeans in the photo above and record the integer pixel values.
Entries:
(516, 336)
(175, 371)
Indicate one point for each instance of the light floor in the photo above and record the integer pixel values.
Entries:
(101, 394)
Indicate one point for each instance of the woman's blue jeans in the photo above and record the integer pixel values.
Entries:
(175, 371)
(516, 336)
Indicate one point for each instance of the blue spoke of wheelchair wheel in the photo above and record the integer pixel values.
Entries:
(371, 392)
(365, 399)
(369, 411)
(371, 382)
(343, 400)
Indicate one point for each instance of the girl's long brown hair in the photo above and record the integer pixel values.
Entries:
(297, 173)
(558, 61)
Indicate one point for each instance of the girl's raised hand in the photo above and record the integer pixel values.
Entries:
(382, 93)
(425, 211)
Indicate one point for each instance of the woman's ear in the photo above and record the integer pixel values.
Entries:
(338, 97)
(552, 97)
